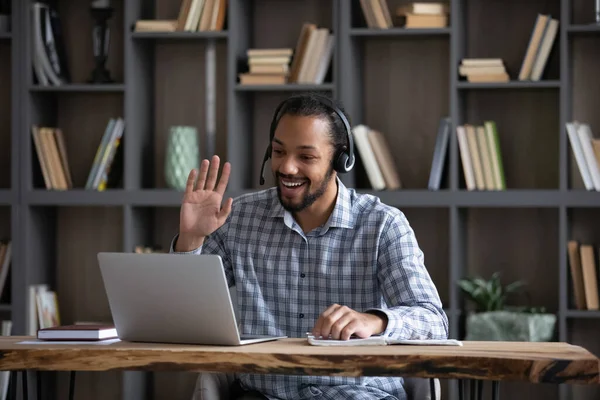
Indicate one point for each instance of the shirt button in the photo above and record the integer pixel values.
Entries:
(302, 275)
(301, 315)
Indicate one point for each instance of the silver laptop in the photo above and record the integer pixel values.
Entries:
(171, 298)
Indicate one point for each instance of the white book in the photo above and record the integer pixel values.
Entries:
(379, 340)
(361, 137)
(465, 157)
(585, 137)
(578, 153)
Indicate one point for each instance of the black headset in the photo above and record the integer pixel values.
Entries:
(343, 162)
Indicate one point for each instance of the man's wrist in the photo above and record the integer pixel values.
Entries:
(185, 243)
(380, 321)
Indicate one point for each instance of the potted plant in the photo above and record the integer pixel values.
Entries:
(492, 319)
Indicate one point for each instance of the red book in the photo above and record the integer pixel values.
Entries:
(78, 332)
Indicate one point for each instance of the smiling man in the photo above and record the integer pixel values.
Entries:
(310, 255)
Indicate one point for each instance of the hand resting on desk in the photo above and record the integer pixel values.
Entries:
(341, 322)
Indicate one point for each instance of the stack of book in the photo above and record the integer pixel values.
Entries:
(267, 66)
(194, 15)
(586, 150)
(423, 15)
(481, 157)
(483, 70)
(540, 45)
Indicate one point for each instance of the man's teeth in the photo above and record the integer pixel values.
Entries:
(291, 184)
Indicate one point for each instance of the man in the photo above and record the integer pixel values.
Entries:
(310, 255)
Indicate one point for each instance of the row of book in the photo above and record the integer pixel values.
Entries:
(584, 274)
(413, 15)
(309, 62)
(586, 150)
(538, 50)
(481, 157)
(43, 310)
(483, 70)
(51, 149)
(194, 16)
(376, 157)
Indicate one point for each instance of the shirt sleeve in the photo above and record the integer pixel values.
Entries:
(414, 309)
(215, 243)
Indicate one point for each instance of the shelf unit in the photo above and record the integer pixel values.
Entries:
(400, 81)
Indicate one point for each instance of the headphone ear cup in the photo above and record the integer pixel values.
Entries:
(340, 162)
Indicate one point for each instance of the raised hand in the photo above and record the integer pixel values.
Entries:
(201, 210)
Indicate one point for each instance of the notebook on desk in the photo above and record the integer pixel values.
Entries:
(379, 340)
(171, 298)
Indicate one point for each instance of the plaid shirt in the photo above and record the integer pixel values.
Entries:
(365, 256)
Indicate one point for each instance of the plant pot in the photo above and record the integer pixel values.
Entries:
(510, 326)
(182, 156)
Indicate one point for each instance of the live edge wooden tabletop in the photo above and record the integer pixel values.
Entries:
(504, 361)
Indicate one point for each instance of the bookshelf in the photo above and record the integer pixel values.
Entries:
(400, 81)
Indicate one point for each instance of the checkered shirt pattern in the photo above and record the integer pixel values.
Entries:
(365, 256)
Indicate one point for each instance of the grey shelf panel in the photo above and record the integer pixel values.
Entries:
(5, 35)
(6, 196)
(582, 198)
(550, 84)
(369, 32)
(180, 35)
(284, 88)
(413, 198)
(583, 29)
(508, 198)
(155, 198)
(594, 314)
(76, 197)
(5, 307)
(113, 87)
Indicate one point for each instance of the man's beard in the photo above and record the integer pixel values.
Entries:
(308, 198)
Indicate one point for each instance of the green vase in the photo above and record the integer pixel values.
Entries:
(183, 155)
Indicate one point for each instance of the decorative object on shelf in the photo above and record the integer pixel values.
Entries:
(183, 154)
(101, 12)
(5, 11)
(493, 320)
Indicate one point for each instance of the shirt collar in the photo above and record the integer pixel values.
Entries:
(341, 217)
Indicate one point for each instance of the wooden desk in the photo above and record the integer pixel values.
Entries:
(495, 361)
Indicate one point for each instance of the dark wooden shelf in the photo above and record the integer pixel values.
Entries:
(595, 314)
(369, 32)
(80, 87)
(583, 29)
(551, 84)
(290, 87)
(76, 197)
(204, 35)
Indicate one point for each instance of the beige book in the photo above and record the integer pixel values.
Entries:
(486, 160)
(422, 8)
(52, 171)
(384, 158)
(482, 62)
(62, 151)
(311, 47)
(482, 78)
(300, 50)
(532, 48)
(475, 156)
(368, 13)
(156, 26)
(542, 56)
(269, 69)
(467, 163)
(590, 279)
(39, 148)
(426, 21)
(55, 159)
(269, 60)
(184, 11)
(386, 13)
(463, 70)
(596, 146)
(262, 79)
(315, 59)
(576, 274)
(207, 12)
(273, 52)
(221, 16)
(379, 15)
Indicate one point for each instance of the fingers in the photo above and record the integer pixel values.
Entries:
(213, 171)
(224, 179)
(189, 185)
(202, 175)
(321, 320)
(333, 321)
(225, 210)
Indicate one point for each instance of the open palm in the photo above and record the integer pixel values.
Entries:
(202, 211)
